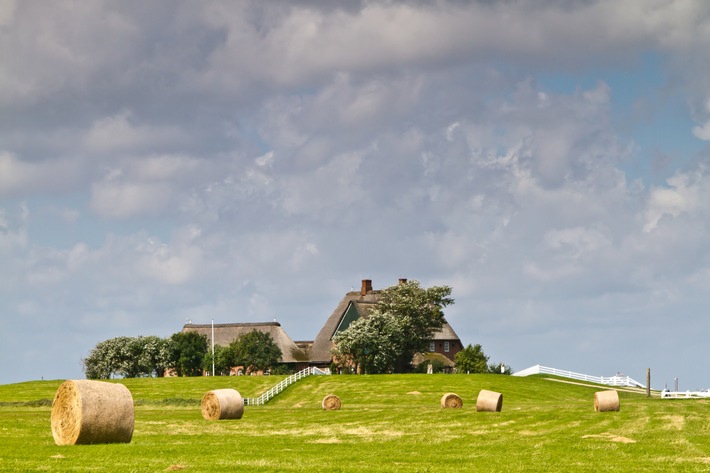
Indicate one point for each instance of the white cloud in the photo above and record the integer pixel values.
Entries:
(13, 229)
(7, 12)
(117, 199)
(161, 167)
(78, 255)
(545, 273)
(236, 46)
(265, 160)
(121, 266)
(145, 185)
(304, 194)
(58, 47)
(702, 132)
(119, 133)
(50, 267)
(450, 131)
(167, 266)
(173, 263)
(19, 177)
(578, 242)
(680, 197)
(282, 151)
(293, 44)
(65, 214)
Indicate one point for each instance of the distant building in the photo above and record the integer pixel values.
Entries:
(224, 334)
(357, 304)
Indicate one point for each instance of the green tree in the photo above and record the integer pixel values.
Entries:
(102, 362)
(404, 319)
(113, 357)
(130, 350)
(187, 352)
(370, 344)
(223, 359)
(499, 368)
(128, 357)
(471, 359)
(255, 350)
(154, 358)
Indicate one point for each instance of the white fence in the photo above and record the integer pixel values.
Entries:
(684, 394)
(609, 381)
(268, 395)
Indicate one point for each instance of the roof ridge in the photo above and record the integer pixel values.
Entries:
(234, 324)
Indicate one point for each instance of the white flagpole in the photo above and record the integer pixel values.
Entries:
(212, 347)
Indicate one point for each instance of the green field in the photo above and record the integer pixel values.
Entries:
(387, 423)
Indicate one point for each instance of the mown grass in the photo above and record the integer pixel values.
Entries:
(387, 423)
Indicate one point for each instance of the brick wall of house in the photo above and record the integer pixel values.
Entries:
(440, 346)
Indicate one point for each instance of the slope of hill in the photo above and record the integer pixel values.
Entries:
(387, 423)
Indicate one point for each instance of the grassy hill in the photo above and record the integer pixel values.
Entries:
(387, 423)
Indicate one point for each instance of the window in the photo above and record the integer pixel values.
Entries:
(446, 347)
(432, 346)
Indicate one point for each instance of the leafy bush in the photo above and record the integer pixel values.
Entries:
(436, 365)
(255, 350)
(281, 369)
(471, 359)
(128, 357)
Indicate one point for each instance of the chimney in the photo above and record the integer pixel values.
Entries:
(366, 287)
(402, 281)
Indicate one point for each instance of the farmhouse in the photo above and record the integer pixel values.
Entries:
(443, 346)
(354, 305)
(224, 334)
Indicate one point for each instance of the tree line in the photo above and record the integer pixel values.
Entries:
(401, 324)
(183, 353)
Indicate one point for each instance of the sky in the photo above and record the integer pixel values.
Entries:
(249, 161)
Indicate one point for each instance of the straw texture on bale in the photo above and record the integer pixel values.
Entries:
(89, 412)
(221, 404)
(606, 401)
(331, 402)
(489, 401)
(451, 401)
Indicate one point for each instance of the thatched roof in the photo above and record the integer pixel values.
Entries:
(320, 351)
(224, 334)
(360, 302)
(422, 357)
(446, 333)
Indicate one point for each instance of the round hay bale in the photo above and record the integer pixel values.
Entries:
(221, 404)
(451, 401)
(86, 412)
(489, 401)
(331, 403)
(606, 401)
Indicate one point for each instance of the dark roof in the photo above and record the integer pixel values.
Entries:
(224, 334)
